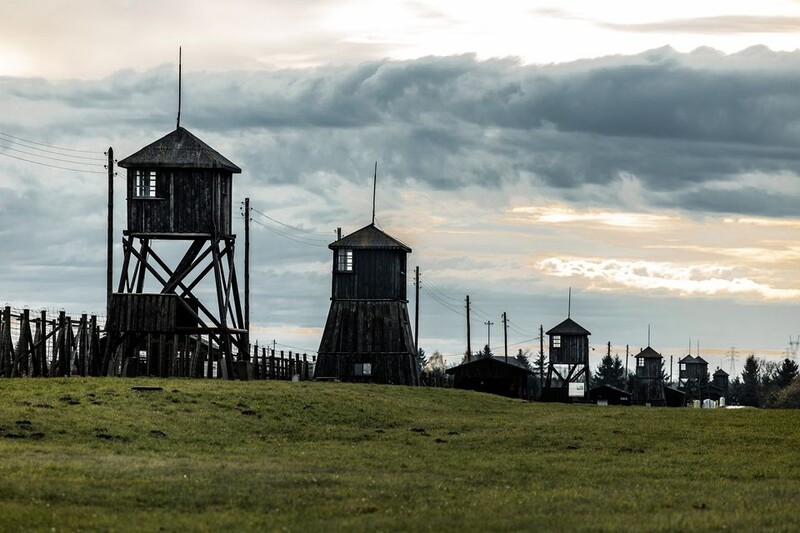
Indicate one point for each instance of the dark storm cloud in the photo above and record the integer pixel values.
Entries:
(669, 120)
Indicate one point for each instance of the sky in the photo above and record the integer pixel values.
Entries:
(643, 154)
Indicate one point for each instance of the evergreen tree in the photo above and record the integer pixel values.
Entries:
(611, 371)
(421, 359)
(522, 357)
(486, 352)
(750, 382)
(786, 373)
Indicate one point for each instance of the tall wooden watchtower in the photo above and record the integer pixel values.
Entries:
(649, 387)
(368, 336)
(568, 363)
(178, 282)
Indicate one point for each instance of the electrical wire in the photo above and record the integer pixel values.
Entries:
(287, 236)
(288, 226)
(47, 145)
(54, 166)
(3, 146)
(444, 304)
(438, 290)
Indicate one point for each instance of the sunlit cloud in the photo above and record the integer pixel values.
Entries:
(567, 215)
(765, 222)
(689, 280)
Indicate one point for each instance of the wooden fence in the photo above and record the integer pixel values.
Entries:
(42, 346)
(49, 347)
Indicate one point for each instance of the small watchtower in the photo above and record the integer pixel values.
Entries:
(568, 363)
(649, 387)
(720, 382)
(368, 336)
(178, 282)
(693, 377)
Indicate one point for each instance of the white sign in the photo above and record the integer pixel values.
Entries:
(577, 390)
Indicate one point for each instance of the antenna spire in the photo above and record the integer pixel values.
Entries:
(179, 88)
(648, 335)
(374, 188)
(569, 303)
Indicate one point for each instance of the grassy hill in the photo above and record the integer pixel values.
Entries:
(92, 454)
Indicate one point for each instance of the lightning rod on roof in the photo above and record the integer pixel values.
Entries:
(179, 88)
(374, 188)
(569, 303)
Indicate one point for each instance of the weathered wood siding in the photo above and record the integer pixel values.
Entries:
(486, 375)
(651, 368)
(145, 313)
(574, 350)
(187, 201)
(694, 371)
(376, 275)
(378, 333)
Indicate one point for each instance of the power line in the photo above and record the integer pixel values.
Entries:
(288, 226)
(286, 235)
(445, 304)
(47, 145)
(54, 166)
(441, 293)
(49, 157)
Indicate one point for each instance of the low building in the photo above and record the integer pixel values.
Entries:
(609, 395)
(494, 375)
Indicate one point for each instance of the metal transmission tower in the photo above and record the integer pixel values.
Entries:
(792, 348)
(732, 357)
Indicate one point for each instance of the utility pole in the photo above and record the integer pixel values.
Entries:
(505, 335)
(469, 345)
(416, 310)
(489, 325)
(608, 350)
(247, 273)
(541, 357)
(110, 250)
(627, 351)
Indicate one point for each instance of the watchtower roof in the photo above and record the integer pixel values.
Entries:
(568, 327)
(687, 360)
(369, 237)
(649, 353)
(178, 149)
(720, 372)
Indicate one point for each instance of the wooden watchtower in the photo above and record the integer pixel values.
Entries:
(178, 282)
(368, 336)
(568, 363)
(649, 386)
(693, 377)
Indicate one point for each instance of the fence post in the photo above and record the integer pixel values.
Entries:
(6, 347)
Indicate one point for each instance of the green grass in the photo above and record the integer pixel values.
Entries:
(212, 456)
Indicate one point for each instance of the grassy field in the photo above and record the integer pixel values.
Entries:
(91, 454)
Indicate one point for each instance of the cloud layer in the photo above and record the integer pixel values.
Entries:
(624, 142)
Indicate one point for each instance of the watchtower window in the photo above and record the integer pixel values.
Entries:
(362, 369)
(556, 341)
(640, 361)
(145, 185)
(345, 260)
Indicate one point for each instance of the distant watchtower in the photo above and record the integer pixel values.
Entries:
(693, 377)
(568, 364)
(368, 336)
(178, 250)
(720, 382)
(649, 387)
